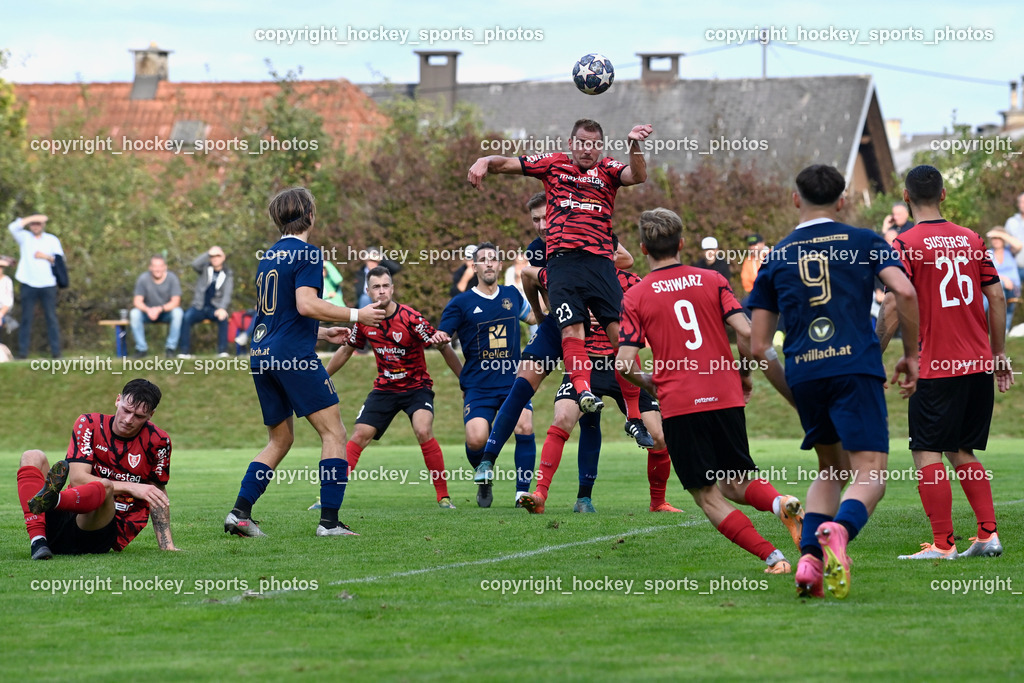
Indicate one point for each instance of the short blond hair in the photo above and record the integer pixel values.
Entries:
(660, 231)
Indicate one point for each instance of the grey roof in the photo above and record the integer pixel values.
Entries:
(800, 120)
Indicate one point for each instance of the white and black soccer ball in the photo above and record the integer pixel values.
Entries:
(593, 74)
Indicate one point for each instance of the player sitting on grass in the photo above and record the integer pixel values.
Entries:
(820, 279)
(486, 319)
(402, 384)
(682, 312)
(117, 466)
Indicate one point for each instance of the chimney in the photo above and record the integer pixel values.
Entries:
(1013, 118)
(150, 69)
(437, 77)
(649, 75)
(894, 132)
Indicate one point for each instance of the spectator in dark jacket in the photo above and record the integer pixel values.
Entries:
(211, 300)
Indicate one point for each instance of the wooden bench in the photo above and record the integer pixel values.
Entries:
(120, 336)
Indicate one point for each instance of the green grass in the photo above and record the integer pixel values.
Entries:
(404, 600)
(379, 623)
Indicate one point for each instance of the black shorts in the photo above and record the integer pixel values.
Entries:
(64, 536)
(380, 407)
(604, 384)
(949, 414)
(578, 281)
(708, 446)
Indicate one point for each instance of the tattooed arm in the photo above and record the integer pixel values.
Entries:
(161, 517)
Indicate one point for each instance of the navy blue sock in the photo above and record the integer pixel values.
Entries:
(589, 450)
(808, 541)
(474, 457)
(507, 418)
(333, 480)
(526, 460)
(254, 483)
(853, 515)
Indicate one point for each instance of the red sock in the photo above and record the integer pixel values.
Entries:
(738, 529)
(550, 457)
(631, 395)
(352, 453)
(434, 460)
(577, 363)
(84, 498)
(937, 499)
(659, 467)
(978, 490)
(30, 480)
(760, 495)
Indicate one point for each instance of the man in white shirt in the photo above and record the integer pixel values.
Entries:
(39, 250)
(6, 294)
(1015, 226)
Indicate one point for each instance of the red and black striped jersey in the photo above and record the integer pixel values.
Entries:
(597, 341)
(579, 203)
(949, 266)
(144, 459)
(398, 346)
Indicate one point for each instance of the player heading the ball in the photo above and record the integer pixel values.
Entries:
(580, 189)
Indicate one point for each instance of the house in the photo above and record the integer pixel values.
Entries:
(151, 111)
(779, 124)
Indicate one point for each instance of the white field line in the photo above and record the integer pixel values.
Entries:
(458, 565)
(523, 554)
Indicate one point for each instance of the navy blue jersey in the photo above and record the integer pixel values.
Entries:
(536, 253)
(279, 332)
(488, 328)
(820, 278)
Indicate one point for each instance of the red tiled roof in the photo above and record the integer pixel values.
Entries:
(349, 116)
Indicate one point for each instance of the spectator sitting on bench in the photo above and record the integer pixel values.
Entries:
(211, 300)
(157, 300)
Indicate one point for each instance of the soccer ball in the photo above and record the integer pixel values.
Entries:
(593, 74)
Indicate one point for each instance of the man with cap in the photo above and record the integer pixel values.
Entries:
(711, 260)
(464, 278)
(211, 300)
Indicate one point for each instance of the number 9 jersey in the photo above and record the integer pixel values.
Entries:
(821, 280)
(681, 311)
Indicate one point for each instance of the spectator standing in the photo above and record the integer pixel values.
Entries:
(39, 251)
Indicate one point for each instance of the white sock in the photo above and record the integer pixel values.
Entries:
(777, 504)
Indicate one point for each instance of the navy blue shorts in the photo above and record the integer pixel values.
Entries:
(485, 403)
(545, 346)
(299, 386)
(848, 409)
(578, 281)
(604, 384)
(380, 407)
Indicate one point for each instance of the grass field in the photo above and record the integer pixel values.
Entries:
(419, 594)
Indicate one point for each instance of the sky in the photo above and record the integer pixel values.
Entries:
(55, 42)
